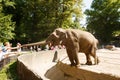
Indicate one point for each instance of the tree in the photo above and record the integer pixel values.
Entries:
(6, 24)
(36, 19)
(103, 18)
(70, 9)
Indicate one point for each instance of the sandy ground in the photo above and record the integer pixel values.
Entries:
(46, 65)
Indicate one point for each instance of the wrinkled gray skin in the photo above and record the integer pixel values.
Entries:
(75, 41)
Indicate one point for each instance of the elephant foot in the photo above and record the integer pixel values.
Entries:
(75, 65)
(89, 63)
(78, 65)
(72, 65)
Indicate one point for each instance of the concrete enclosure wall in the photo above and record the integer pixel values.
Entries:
(35, 66)
(43, 66)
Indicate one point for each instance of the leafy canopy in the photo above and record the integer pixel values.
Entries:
(36, 19)
(6, 24)
(104, 18)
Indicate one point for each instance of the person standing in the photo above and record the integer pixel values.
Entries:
(18, 47)
(1, 53)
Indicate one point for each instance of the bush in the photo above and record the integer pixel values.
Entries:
(9, 72)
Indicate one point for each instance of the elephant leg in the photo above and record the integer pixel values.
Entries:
(93, 54)
(75, 55)
(70, 56)
(89, 62)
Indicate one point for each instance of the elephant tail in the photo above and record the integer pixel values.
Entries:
(94, 46)
(96, 42)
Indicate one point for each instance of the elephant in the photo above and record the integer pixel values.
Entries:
(75, 41)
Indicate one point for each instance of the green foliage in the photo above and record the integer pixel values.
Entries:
(116, 33)
(9, 72)
(6, 25)
(36, 19)
(104, 18)
(70, 9)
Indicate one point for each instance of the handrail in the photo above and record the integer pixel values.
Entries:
(7, 60)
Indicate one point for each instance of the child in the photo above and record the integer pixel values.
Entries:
(1, 53)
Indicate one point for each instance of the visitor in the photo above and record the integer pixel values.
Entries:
(46, 47)
(1, 53)
(18, 47)
(7, 47)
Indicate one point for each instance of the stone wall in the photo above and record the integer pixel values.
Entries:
(25, 73)
(7, 60)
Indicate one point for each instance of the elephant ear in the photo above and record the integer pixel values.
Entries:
(63, 39)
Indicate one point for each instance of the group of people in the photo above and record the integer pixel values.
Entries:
(50, 47)
(6, 50)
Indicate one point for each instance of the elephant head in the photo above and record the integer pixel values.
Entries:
(57, 37)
